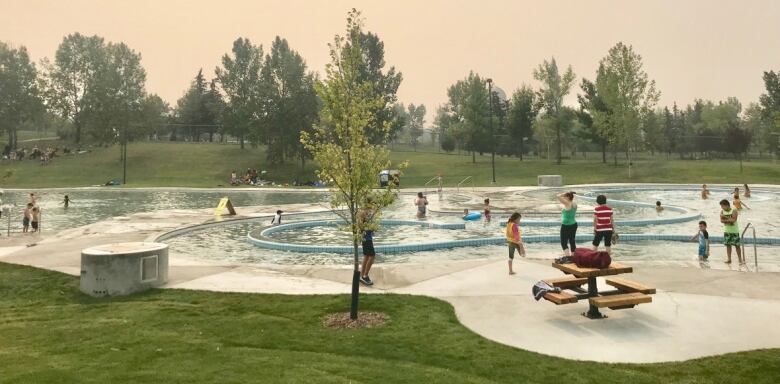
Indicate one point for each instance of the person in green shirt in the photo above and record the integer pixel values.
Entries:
(729, 216)
(568, 222)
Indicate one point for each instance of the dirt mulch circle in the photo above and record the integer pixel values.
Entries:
(364, 320)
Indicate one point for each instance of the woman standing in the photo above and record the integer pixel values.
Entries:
(568, 222)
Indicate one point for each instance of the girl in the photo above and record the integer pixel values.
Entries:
(738, 204)
(513, 239)
(705, 193)
(487, 210)
(747, 190)
(568, 222)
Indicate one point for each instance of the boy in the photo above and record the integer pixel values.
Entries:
(603, 225)
(704, 241)
(729, 216)
(658, 207)
(513, 239)
(27, 217)
(36, 217)
(277, 218)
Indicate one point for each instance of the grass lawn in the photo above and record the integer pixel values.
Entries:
(51, 333)
(209, 165)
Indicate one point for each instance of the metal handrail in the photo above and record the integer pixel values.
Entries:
(463, 181)
(755, 249)
(428, 182)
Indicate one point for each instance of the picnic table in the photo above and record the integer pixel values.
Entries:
(626, 295)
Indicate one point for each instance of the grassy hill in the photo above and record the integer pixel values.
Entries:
(209, 165)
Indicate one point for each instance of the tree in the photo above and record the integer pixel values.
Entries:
(292, 106)
(20, 98)
(629, 95)
(737, 141)
(198, 109)
(73, 77)
(386, 83)
(340, 143)
(554, 88)
(770, 105)
(247, 96)
(154, 115)
(416, 123)
(522, 113)
(468, 102)
(593, 107)
(443, 125)
(758, 128)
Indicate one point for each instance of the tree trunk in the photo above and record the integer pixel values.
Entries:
(77, 124)
(604, 151)
(558, 139)
(473, 157)
(241, 140)
(521, 149)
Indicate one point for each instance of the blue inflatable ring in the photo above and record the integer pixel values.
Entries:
(472, 216)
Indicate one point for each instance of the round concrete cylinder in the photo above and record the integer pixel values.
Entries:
(123, 268)
(550, 180)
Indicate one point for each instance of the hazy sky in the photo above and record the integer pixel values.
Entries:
(706, 49)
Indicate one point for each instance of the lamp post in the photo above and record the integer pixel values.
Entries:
(490, 121)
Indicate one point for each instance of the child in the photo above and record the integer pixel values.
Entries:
(36, 217)
(27, 217)
(738, 204)
(747, 190)
(603, 225)
(421, 202)
(465, 213)
(513, 240)
(277, 218)
(705, 193)
(729, 216)
(658, 207)
(487, 210)
(704, 241)
(66, 201)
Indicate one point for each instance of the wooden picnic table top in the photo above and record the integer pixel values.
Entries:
(613, 269)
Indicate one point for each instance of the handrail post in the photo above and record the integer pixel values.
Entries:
(755, 247)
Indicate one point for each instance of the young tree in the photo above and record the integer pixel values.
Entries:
(624, 86)
(154, 115)
(555, 86)
(340, 144)
(522, 114)
(20, 99)
(247, 95)
(593, 113)
(737, 141)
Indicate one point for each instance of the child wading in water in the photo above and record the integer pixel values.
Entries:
(729, 216)
(704, 241)
(487, 210)
(513, 239)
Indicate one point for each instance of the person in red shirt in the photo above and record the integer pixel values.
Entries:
(603, 224)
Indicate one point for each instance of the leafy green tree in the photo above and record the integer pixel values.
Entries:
(153, 117)
(628, 93)
(521, 116)
(468, 102)
(193, 111)
(340, 143)
(443, 125)
(247, 95)
(757, 126)
(555, 86)
(737, 141)
(20, 96)
(416, 123)
(292, 105)
(386, 82)
(73, 78)
(117, 94)
(770, 105)
(591, 105)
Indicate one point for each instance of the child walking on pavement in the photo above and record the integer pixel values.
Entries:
(513, 239)
(704, 241)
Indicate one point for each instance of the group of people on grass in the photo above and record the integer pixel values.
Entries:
(250, 177)
(19, 154)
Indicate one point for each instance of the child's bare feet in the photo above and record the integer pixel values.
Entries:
(511, 272)
(728, 261)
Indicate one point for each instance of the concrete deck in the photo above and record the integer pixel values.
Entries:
(696, 312)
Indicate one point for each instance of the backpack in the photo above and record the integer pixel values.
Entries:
(587, 258)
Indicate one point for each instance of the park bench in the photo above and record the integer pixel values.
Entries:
(560, 298)
(567, 281)
(621, 301)
(625, 285)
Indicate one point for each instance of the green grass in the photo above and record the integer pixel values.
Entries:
(51, 333)
(209, 165)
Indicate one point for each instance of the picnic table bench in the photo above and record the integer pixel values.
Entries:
(626, 295)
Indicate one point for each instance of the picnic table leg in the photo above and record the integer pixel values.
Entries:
(593, 291)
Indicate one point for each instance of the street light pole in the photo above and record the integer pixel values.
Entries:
(490, 121)
(124, 157)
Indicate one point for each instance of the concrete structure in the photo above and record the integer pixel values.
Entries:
(123, 268)
(550, 180)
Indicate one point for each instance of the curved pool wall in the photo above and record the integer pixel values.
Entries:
(263, 241)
